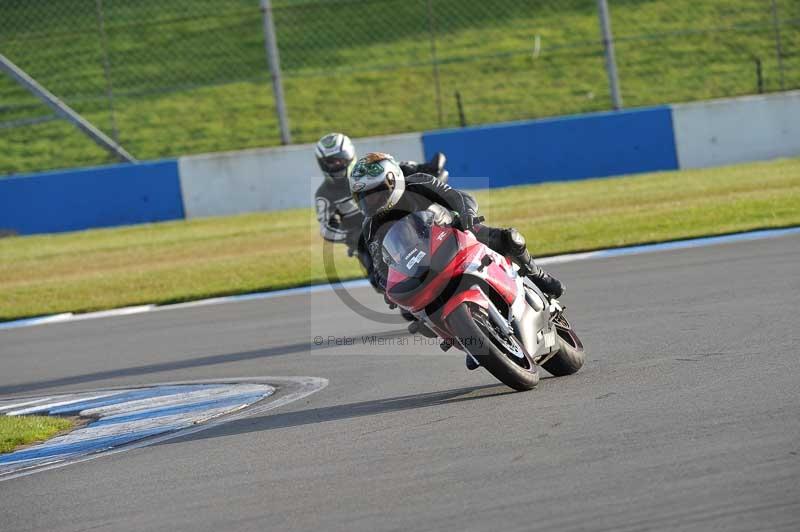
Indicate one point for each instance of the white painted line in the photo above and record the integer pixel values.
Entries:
(153, 403)
(362, 283)
(48, 406)
(123, 311)
(55, 318)
(572, 257)
(289, 389)
(12, 406)
(41, 320)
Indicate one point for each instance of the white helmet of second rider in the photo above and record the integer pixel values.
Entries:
(377, 183)
(335, 155)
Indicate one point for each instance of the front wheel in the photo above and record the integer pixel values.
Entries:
(503, 357)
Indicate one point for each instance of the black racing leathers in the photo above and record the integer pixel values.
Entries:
(339, 219)
(421, 190)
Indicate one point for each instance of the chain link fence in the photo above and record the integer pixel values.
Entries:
(171, 77)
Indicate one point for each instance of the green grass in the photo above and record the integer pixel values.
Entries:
(22, 430)
(190, 77)
(179, 261)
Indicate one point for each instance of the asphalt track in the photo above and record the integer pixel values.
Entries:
(686, 417)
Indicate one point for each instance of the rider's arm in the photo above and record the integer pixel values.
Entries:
(330, 221)
(380, 270)
(373, 234)
(433, 189)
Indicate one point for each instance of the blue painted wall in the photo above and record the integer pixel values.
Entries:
(565, 148)
(93, 197)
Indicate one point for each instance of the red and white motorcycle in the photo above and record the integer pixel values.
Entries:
(472, 297)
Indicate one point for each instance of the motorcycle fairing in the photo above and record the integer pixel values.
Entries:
(472, 295)
(416, 295)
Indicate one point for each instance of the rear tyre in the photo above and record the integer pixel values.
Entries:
(570, 356)
(502, 357)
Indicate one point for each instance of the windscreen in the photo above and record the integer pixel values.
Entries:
(406, 247)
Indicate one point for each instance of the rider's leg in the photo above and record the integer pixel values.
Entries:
(511, 243)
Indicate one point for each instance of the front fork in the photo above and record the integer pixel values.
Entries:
(507, 326)
(529, 320)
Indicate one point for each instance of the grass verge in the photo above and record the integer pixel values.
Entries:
(180, 261)
(22, 430)
(191, 77)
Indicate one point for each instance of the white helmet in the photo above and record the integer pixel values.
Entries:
(377, 183)
(335, 155)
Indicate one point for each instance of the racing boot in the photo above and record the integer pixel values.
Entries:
(546, 282)
(511, 243)
(527, 267)
(472, 365)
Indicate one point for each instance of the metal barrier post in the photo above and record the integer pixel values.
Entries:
(776, 25)
(611, 61)
(62, 109)
(101, 26)
(432, 33)
(274, 61)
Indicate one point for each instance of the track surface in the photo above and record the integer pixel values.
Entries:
(686, 417)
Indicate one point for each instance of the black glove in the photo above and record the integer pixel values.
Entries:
(466, 222)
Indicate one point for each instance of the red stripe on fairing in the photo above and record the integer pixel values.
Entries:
(499, 278)
(394, 278)
(473, 295)
(433, 287)
(471, 250)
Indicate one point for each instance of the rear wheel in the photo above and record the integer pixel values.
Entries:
(503, 357)
(571, 355)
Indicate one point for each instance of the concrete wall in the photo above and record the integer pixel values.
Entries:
(721, 132)
(601, 144)
(557, 149)
(93, 197)
(268, 179)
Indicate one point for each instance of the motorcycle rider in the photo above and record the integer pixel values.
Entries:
(337, 212)
(385, 195)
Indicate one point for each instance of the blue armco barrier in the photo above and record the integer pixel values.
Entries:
(93, 197)
(576, 147)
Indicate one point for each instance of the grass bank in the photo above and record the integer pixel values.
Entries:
(179, 261)
(22, 430)
(191, 77)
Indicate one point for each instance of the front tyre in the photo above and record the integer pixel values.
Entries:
(502, 356)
